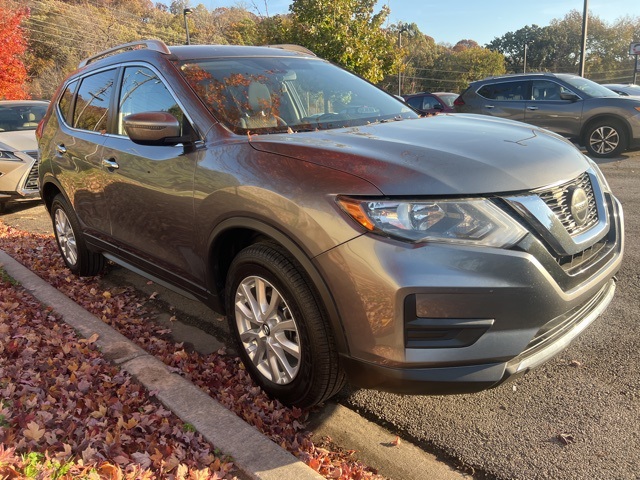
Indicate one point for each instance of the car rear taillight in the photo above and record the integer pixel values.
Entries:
(39, 129)
(458, 102)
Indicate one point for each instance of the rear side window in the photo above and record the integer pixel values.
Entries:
(426, 102)
(504, 91)
(92, 105)
(66, 100)
(415, 102)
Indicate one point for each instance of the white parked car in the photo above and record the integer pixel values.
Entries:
(18, 149)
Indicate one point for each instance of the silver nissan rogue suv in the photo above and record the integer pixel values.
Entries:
(344, 237)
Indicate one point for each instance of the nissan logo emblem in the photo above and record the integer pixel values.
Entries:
(579, 206)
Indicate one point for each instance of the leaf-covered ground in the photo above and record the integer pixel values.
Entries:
(61, 398)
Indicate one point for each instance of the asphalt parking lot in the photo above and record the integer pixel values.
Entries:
(576, 417)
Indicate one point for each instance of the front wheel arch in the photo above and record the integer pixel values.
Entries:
(232, 235)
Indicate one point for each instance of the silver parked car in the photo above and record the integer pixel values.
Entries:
(624, 89)
(579, 109)
(19, 149)
(344, 237)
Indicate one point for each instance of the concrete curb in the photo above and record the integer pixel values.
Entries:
(253, 453)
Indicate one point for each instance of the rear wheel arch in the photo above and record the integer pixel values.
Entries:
(49, 191)
(233, 235)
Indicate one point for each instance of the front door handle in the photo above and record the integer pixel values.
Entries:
(532, 108)
(110, 163)
(489, 106)
(61, 148)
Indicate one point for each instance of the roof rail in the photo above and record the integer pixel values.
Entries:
(155, 45)
(293, 48)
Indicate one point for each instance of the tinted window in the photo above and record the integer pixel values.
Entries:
(504, 91)
(92, 105)
(64, 105)
(143, 91)
(427, 102)
(415, 102)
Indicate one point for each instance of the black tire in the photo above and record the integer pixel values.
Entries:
(78, 258)
(605, 138)
(289, 351)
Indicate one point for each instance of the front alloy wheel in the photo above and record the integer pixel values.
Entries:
(267, 329)
(280, 327)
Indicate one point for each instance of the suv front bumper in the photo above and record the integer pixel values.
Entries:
(440, 319)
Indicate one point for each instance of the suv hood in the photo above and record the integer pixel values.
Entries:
(440, 155)
(18, 141)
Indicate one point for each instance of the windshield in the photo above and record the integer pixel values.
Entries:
(272, 95)
(21, 116)
(592, 89)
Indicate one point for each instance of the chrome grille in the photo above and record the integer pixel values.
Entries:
(558, 200)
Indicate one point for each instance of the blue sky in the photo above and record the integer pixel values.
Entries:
(479, 20)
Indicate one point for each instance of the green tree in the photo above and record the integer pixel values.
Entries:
(457, 68)
(417, 56)
(347, 32)
(556, 47)
(512, 46)
(233, 26)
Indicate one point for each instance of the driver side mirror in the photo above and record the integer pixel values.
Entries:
(155, 128)
(569, 96)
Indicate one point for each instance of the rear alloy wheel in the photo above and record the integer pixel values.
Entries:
(281, 332)
(78, 258)
(606, 138)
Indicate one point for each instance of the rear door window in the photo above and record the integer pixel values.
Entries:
(504, 91)
(92, 104)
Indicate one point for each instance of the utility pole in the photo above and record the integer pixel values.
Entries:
(583, 53)
(186, 12)
(524, 67)
(402, 29)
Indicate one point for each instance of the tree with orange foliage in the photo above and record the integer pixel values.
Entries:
(13, 73)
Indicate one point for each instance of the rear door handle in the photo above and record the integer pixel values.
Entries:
(110, 163)
(532, 108)
(489, 106)
(61, 148)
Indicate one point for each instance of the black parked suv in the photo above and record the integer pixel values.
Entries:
(579, 109)
(343, 236)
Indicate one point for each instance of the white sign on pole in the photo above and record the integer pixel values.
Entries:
(634, 48)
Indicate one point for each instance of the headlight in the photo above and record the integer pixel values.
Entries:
(601, 178)
(466, 221)
(4, 155)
